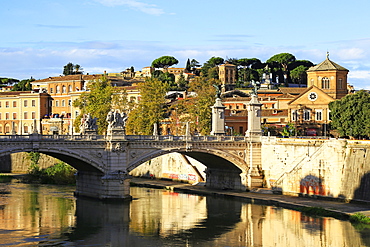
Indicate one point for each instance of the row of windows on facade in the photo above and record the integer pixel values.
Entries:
(63, 103)
(307, 114)
(6, 129)
(14, 115)
(25, 103)
(325, 83)
(64, 89)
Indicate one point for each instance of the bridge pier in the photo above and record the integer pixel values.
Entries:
(110, 186)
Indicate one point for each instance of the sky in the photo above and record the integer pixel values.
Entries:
(39, 37)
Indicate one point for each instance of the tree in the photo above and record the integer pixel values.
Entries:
(98, 101)
(280, 62)
(198, 108)
(213, 62)
(299, 75)
(164, 62)
(23, 85)
(351, 115)
(72, 69)
(150, 109)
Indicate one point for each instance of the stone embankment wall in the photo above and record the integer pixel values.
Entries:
(335, 168)
(20, 162)
(173, 166)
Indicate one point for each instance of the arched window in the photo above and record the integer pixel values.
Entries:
(64, 89)
(1, 128)
(325, 83)
(7, 129)
(69, 88)
(57, 89)
(25, 129)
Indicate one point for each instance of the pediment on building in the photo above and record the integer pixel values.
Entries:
(312, 96)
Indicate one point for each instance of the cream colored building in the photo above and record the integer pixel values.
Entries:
(21, 112)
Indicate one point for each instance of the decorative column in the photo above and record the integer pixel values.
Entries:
(218, 118)
(254, 118)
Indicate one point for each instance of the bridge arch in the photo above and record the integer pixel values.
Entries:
(211, 158)
(73, 158)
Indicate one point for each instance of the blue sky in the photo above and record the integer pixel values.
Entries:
(39, 37)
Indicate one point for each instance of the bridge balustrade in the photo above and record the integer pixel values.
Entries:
(126, 137)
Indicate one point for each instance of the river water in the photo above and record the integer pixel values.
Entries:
(47, 215)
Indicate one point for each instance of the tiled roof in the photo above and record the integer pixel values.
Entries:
(327, 65)
(69, 78)
(274, 112)
(292, 90)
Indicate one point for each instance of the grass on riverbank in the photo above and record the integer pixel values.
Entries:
(322, 212)
(60, 173)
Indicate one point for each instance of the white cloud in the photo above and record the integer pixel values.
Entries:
(151, 9)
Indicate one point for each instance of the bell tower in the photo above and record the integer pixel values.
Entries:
(329, 77)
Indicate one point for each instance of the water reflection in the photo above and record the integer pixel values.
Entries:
(49, 215)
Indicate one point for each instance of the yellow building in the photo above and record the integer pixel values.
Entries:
(309, 111)
(62, 90)
(227, 75)
(21, 112)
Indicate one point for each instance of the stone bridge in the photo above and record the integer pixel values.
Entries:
(103, 163)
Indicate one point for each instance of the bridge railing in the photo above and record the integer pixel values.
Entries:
(127, 137)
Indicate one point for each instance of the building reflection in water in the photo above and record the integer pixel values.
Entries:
(47, 215)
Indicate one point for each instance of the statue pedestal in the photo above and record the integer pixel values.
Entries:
(91, 134)
(218, 118)
(116, 134)
(254, 118)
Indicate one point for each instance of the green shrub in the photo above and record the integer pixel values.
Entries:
(359, 218)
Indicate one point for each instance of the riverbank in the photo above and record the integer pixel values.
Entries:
(338, 208)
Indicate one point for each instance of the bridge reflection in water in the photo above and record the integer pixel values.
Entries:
(49, 215)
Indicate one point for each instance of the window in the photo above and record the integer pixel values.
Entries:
(25, 128)
(69, 102)
(64, 89)
(25, 103)
(14, 116)
(1, 128)
(0, 115)
(318, 115)
(69, 88)
(340, 83)
(25, 115)
(325, 83)
(312, 81)
(306, 115)
(240, 129)
(51, 90)
(57, 103)
(63, 103)
(295, 115)
(57, 90)
(14, 103)
(33, 103)
(7, 129)
(0, 104)
(33, 115)
(7, 115)
(7, 104)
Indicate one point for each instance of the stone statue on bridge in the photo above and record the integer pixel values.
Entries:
(88, 124)
(116, 122)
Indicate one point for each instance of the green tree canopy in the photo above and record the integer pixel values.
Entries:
(98, 101)
(164, 62)
(213, 62)
(150, 109)
(23, 85)
(72, 69)
(198, 108)
(351, 114)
